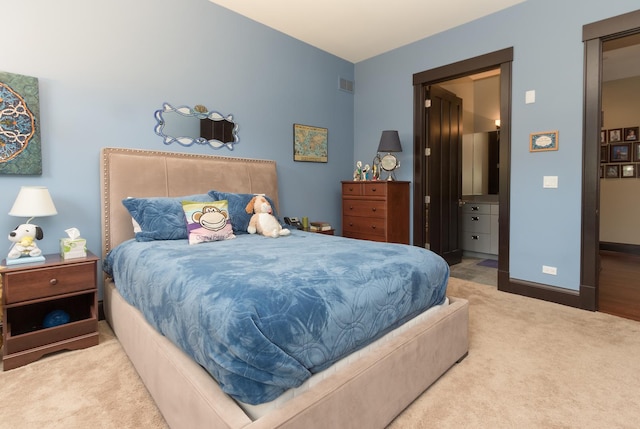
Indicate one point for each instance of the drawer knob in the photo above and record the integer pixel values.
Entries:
(374, 209)
(474, 237)
(475, 208)
(475, 218)
(373, 189)
(53, 282)
(373, 227)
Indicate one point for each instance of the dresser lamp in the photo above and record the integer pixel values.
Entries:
(389, 142)
(32, 201)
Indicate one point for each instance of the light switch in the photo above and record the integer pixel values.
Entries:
(530, 96)
(550, 182)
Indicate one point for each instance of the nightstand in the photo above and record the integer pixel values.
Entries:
(32, 291)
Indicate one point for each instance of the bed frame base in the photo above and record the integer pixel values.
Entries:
(369, 393)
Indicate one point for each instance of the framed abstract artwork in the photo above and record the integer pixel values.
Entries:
(20, 146)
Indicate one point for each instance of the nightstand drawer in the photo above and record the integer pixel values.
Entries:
(362, 208)
(42, 283)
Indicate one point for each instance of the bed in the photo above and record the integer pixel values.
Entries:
(366, 388)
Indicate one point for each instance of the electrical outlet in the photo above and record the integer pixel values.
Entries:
(549, 270)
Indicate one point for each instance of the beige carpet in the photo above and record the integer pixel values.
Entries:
(531, 364)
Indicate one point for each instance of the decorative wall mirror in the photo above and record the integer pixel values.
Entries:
(195, 125)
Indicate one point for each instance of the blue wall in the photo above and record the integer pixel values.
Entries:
(105, 67)
(546, 36)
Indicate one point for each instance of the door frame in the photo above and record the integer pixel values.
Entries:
(501, 59)
(593, 35)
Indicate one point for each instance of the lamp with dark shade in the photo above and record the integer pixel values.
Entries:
(389, 142)
(32, 201)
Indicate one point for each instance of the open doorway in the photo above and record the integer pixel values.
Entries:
(600, 185)
(619, 277)
(478, 220)
(428, 178)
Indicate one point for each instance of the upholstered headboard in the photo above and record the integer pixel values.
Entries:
(143, 173)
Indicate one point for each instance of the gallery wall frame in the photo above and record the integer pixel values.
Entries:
(620, 152)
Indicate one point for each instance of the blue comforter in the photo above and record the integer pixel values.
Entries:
(263, 314)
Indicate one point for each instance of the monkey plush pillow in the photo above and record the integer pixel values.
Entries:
(207, 221)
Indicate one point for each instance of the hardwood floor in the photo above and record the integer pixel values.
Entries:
(619, 287)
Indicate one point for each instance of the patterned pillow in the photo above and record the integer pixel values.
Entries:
(237, 209)
(207, 221)
(160, 218)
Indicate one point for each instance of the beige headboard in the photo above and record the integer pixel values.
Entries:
(143, 173)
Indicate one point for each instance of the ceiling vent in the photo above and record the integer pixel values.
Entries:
(345, 85)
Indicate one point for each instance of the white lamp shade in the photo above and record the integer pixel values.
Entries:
(33, 201)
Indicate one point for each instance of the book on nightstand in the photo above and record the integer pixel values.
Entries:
(319, 226)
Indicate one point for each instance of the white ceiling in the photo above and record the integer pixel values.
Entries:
(356, 30)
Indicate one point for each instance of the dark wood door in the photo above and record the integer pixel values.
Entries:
(444, 131)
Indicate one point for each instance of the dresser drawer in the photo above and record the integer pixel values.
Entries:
(374, 189)
(364, 208)
(352, 189)
(41, 283)
(476, 223)
(365, 189)
(355, 227)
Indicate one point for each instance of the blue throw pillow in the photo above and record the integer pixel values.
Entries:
(237, 209)
(161, 218)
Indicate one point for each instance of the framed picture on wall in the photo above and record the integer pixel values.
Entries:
(620, 152)
(547, 140)
(612, 171)
(604, 153)
(631, 134)
(615, 135)
(628, 170)
(636, 152)
(603, 136)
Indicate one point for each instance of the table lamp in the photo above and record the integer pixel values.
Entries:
(389, 142)
(32, 201)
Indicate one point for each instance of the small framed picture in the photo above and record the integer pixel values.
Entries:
(628, 170)
(539, 142)
(620, 152)
(615, 135)
(631, 134)
(636, 152)
(612, 171)
(603, 136)
(604, 153)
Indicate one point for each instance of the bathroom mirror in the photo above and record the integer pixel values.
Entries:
(188, 125)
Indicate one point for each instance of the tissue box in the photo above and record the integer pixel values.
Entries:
(73, 248)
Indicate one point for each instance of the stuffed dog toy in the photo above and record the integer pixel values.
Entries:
(23, 238)
(263, 221)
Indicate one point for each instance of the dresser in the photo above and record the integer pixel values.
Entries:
(377, 211)
(480, 227)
